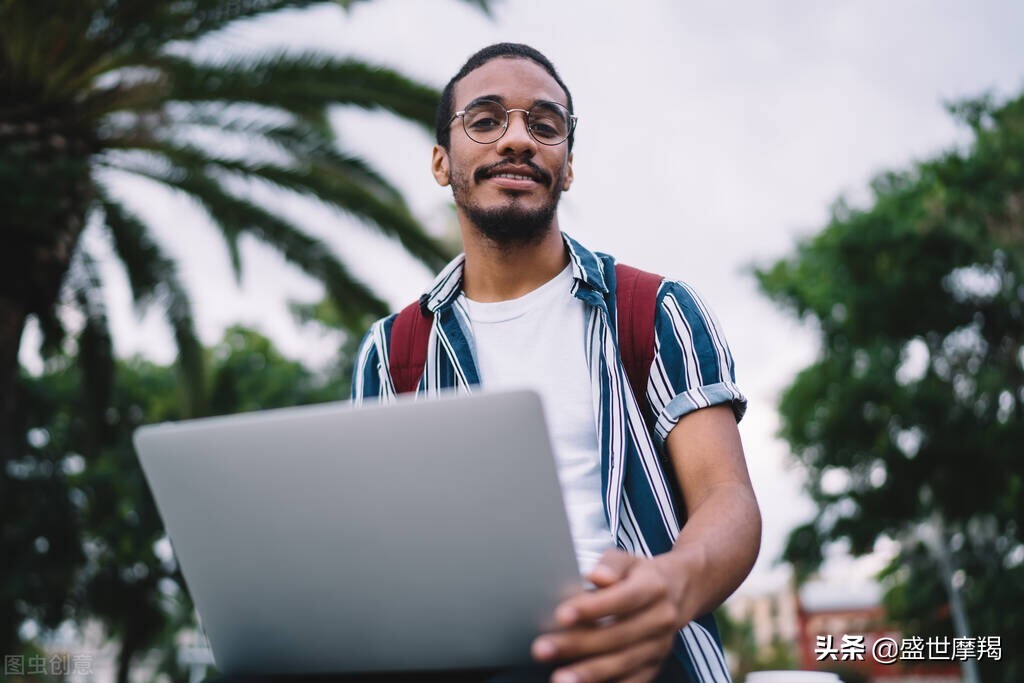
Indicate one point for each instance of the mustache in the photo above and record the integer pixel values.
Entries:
(482, 173)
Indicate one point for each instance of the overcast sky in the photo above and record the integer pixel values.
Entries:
(711, 138)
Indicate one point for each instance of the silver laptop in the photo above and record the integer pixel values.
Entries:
(421, 535)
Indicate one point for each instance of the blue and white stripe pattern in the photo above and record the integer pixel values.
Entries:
(692, 369)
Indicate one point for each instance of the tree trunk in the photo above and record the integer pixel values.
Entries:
(45, 189)
(937, 540)
(12, 321)
(46, 184)
(124, 659)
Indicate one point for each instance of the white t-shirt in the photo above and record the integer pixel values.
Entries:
(536, 342)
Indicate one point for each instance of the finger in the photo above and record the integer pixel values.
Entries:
(644, 675)
(613, 566)
(625, 662)
(640, 588)
(658, 622)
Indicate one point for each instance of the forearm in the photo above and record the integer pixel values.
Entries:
(715, 550)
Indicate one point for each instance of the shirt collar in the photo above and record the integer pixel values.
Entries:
(587, 269)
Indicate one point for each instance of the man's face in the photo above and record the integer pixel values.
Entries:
(507, 210)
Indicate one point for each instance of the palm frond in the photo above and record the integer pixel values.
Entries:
(297, 140)
(482, 5)
(143, 93)
(144, 263)
(302, 84)
(66, 49)
(235, 216)
(148, 168)
(154, 276)
(343, 183)
(39, 42)
(323, 183)
(95, 348)
(193, 19)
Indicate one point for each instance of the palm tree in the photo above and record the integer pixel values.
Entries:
(99, 88)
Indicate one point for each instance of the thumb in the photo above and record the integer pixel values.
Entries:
(611, 568)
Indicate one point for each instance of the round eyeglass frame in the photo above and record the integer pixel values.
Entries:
(572, 118)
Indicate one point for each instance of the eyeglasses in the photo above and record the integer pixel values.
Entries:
(485, 121)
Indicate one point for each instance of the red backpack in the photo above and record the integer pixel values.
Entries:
(635, 302)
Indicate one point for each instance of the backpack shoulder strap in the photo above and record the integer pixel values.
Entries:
(636, 300)
(407, 347)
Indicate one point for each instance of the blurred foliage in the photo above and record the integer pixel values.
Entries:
(92, 522)
(107, 89)
(738, 640)
(910, 422)
(92, 93)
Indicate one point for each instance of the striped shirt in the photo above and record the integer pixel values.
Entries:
(692, 369)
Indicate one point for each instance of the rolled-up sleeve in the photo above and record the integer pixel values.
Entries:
(693, 367)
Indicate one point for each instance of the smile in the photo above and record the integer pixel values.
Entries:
(513, 176)
(513, 182)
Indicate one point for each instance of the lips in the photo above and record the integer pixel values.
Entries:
(514, 175)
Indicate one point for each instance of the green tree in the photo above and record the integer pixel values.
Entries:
(746, 655)
(96, 88)
(123, 574)
(910, 422)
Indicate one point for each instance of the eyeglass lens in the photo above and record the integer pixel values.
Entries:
(485, 121)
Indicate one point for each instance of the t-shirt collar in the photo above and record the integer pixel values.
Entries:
(587, 269)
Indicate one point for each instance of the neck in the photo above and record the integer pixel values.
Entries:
(495, 272)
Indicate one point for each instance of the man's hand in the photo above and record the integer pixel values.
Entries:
(623, 630)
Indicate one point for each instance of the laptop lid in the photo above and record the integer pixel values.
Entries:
(328, 538)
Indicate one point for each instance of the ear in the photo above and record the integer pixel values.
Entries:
(440, 166)
(567, 175)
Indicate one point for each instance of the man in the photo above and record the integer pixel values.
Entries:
(664, 522)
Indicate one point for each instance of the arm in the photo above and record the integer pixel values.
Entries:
(718, 545)
(651, 598)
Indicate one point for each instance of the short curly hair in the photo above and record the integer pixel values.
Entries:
(499, 50)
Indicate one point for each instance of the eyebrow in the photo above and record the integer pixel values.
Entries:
(501, 100)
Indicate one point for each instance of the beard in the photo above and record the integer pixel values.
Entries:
(510, 225)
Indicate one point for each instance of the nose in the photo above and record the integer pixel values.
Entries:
(517, 139)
